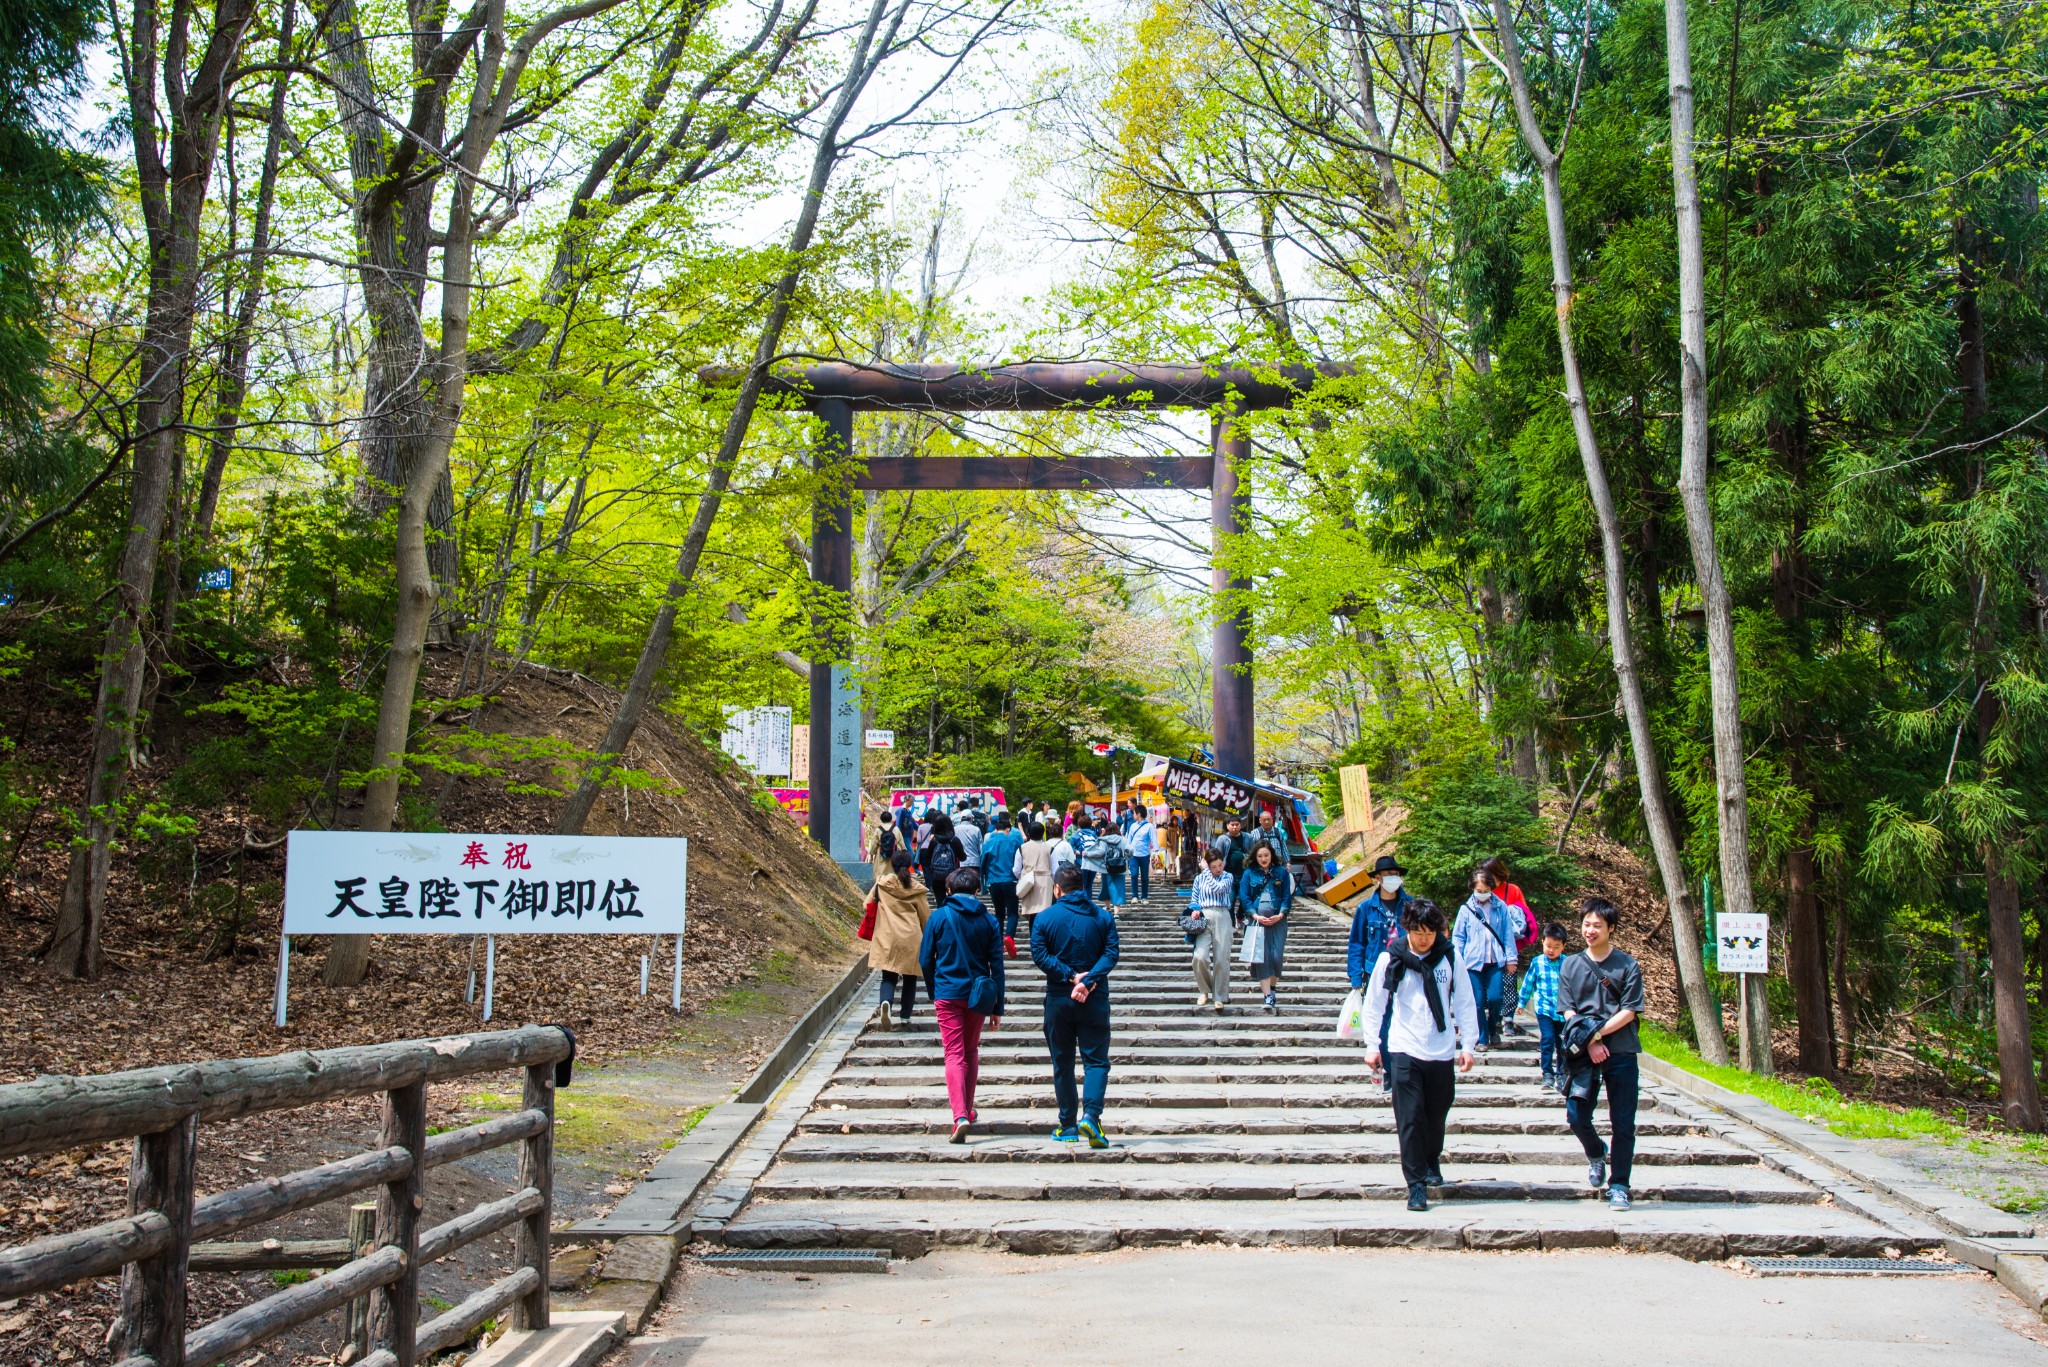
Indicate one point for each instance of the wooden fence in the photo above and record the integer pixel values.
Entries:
(165, 1234)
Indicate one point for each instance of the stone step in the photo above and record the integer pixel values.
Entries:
(1336, 1181)
(1702, 1232)
(1248, 1074)
(1136, 1144)
(1134, 1096)
(857, 1126)
(1336, 1054)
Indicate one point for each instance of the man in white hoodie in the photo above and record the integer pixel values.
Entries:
(1431, 1021)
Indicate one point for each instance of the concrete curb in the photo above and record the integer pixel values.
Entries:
(807, 1032)
(1951, 1211)
(650, 1225)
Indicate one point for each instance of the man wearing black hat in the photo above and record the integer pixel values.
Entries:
(1374, 923)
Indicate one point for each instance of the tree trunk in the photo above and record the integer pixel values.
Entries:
(1731, 787)
(639, 691)
(1685, 925)
(172, 197)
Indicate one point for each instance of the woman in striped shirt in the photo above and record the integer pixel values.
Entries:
(1207, 923)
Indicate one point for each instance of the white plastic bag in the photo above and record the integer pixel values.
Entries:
(1351, 1016)
(1253, 948)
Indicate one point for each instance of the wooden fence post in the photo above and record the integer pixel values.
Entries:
(362, 1236)
(153, 1289)
(537, 1170)
(395, 1309)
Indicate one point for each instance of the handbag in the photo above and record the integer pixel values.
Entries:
(1351, 1016)
(1253, 947)
(867, 919)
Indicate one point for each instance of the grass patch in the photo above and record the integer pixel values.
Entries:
(1814, 1100)
(292, 1277)
(590, 1120)
(739, 1001)
(779, 966)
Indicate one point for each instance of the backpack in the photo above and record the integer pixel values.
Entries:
(1113, 860)
(942, 857)
(885, 843)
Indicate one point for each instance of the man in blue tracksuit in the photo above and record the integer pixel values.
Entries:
(1074, 944)
(1373, 923)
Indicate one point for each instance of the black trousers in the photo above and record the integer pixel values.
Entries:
(1423, 1089)
(1004, 896)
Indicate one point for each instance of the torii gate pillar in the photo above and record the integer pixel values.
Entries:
(836, 741)
(1230, 685)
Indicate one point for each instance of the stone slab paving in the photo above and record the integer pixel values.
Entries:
(1245, 1128)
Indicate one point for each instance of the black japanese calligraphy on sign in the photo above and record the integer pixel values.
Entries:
(393, 890)
(437, 898)
(346, 890)
(574, 896)
(621, 899)
(526, 898)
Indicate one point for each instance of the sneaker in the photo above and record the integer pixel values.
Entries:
(882, 1021)
(1066, 1134)
(1091, 1130)
(960, 1125)
(1434, 1177)
(1480, 1048)
(1617, 1198)
(1418, 1196)
(1596, 1173)
(1010, 946)
(1272, 1004)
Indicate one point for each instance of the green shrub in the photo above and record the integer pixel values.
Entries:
(1459, 816)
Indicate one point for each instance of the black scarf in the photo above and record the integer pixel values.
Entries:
(1405, 958)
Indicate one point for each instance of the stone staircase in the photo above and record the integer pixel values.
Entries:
(1246, 1128)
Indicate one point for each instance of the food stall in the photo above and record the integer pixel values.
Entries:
(1214, 797)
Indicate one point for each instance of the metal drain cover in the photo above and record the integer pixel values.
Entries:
(1852, 1267)
(801, 1259)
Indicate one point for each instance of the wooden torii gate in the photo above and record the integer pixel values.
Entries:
(835, 391)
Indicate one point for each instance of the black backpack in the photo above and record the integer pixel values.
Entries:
(1113, 859)
(943, 857)
(885, 843)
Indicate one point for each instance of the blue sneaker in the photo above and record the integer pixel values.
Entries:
(1066, 1134)
(1091, 1129)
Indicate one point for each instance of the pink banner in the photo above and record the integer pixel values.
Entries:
(947, 800)
(797, 802)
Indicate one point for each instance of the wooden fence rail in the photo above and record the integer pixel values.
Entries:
(164, 1237)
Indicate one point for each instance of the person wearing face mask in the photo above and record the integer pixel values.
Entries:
(1484, 939)
(1373, 926)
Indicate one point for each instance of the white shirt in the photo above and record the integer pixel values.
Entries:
(1414, 1031)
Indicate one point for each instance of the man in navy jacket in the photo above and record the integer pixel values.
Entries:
(1074, 943)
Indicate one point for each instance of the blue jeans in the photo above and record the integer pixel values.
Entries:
(1082, 1026)
(1621, 1075)
(1141, 875)
(1486, 994)
(1088, 881)
(1548, 1028)
(1113, 889)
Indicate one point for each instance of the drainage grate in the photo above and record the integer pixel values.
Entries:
(801, 1259)
(1852, 1267)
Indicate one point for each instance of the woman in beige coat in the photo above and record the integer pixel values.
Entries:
(901, 910)
(1034, 871)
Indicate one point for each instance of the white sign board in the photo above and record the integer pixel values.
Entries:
(1742, 942)
(366, 883)
(881, 740)
(758, 737)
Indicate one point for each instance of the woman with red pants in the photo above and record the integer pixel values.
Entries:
(962, 959)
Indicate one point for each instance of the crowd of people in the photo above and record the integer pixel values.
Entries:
(1430, 995)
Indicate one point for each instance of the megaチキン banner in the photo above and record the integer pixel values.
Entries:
(366, 883)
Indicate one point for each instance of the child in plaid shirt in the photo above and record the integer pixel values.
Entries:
(1539, 988)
